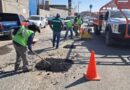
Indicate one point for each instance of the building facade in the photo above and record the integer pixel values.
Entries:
(15, 6)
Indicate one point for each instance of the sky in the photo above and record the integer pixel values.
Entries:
(84, 4)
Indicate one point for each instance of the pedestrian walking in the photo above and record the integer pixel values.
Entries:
(56, 26)
(69, 25)
(22, 37)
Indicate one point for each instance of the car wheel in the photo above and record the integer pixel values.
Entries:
(108, 38)
(44, 26)
(10, 36)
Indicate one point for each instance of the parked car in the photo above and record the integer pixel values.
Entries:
(88, 20)
(8, 21)
(46, 21)
(70, 18)
(38, 20)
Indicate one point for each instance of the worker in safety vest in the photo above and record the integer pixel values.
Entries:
(77, 24)
(69, 26)
(22, 37)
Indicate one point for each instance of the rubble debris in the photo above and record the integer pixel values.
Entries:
(56, 65)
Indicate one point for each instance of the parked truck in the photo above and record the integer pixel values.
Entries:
(114, 21)
(8, 21)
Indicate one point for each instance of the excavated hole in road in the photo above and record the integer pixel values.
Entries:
(70, 46)
(55, 65)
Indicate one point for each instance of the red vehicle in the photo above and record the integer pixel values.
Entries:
(114, 21)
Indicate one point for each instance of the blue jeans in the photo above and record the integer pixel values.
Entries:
(71, 32)
(56, 39)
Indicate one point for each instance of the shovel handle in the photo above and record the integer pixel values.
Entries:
(37, 55)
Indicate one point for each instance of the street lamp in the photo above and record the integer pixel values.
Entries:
(90, 6)
(69, 7)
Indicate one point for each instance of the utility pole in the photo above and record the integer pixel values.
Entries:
(69, 7)
(43, 3)
(79, 2)
(37, 7)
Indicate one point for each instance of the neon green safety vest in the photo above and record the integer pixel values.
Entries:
(69, 24)
(22, 36)
(79, 21)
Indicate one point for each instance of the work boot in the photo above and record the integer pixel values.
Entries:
(57, 46)
(16, 68)
(53, 44)
(25, 69)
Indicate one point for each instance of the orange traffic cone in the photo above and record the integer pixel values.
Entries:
(91, 73)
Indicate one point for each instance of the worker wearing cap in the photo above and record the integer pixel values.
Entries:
(22, 37)
(69, 25)
(56, 26)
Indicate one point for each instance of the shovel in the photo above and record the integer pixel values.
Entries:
(48, 64)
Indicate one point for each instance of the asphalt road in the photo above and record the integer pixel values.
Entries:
(113, 65)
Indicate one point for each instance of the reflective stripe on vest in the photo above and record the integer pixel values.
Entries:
(22, 36)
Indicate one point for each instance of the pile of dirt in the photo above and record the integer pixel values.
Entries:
(54, 64)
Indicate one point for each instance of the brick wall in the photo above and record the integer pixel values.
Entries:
(12, 6)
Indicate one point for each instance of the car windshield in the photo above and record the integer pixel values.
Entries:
(85, 21)
(8, 17)
(34, 18)
(118, 14)
(69, 18)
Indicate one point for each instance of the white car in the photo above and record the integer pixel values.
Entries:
(38, 20)
(70, 18)
(86, 26)
(88, 20)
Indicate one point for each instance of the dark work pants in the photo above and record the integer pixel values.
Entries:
(75, 28)
(71, 33)
(56, 39)
(21, 54)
